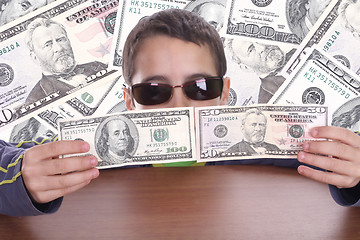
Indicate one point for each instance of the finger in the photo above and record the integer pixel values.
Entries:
(47, 196)
(338, 166)
(67, 180)
(67, 165)
(54, 149)
(331, 178)
(60, 182)
(332, 148)
(337, 133)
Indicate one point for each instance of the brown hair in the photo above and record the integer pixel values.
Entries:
(175, 23)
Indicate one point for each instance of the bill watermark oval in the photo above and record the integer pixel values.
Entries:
(313, 95)
(296, 131)
(161, 134)
(261, 3)
(6, 74)
(220, 131)
(110, 22)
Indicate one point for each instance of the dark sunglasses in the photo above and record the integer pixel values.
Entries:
(156, 93)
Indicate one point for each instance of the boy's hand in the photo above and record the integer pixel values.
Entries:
(48, 177)
(344, 165)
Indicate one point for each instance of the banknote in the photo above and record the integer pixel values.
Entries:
(254, 77)
(320, 79)
(104, 99)
(12, 9)
(257, 131)
(287, 21)
(130, 15)
(29, 130)
(136, 137)
(55, 51)
(337, 34)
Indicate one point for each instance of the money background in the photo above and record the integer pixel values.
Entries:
(245, 81)
(88, 35)
(335, 37)
(321, 79)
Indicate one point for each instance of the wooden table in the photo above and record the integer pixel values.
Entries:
(211, 202)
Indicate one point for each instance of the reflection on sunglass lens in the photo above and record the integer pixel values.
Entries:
(204, 89)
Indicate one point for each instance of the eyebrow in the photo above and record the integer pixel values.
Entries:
(163, 78)
(153, 78)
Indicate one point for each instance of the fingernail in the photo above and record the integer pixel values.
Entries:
(305, 146)
(301, 156)
(95, 173)
(85, 147)
(314, 132)
(93, 161)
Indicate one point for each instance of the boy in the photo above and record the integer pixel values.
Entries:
(33, 179)
(174, 49)
(170, 59)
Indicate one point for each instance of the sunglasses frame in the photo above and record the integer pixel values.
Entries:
(183, 86)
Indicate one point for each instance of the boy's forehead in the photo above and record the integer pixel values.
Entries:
(157, 44)
(159, 52)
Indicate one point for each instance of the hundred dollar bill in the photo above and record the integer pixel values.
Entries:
(254, 69)
(53, 52)
(105, 99)
(136, 137)
(132, 12)
(12, 9)
(257, 131)
(337, 34)
(286, 21)
(320, 79)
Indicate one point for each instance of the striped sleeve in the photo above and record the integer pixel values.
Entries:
(14, 199)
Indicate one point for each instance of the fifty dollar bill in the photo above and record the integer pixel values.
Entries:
(89, 26)
(258, 131)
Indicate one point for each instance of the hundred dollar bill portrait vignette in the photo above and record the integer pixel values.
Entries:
(213, 11)
(116, 140)
(349, 10)
(265, 60)
(348, 115)
(10, 10)
(30, 130)
(303, 14)
(253, 128)
(51, 49)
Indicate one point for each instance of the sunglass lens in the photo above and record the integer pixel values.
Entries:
(151, 95)
(204, 89)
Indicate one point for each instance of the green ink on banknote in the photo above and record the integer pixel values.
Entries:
(9, 48)
(331, 41)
